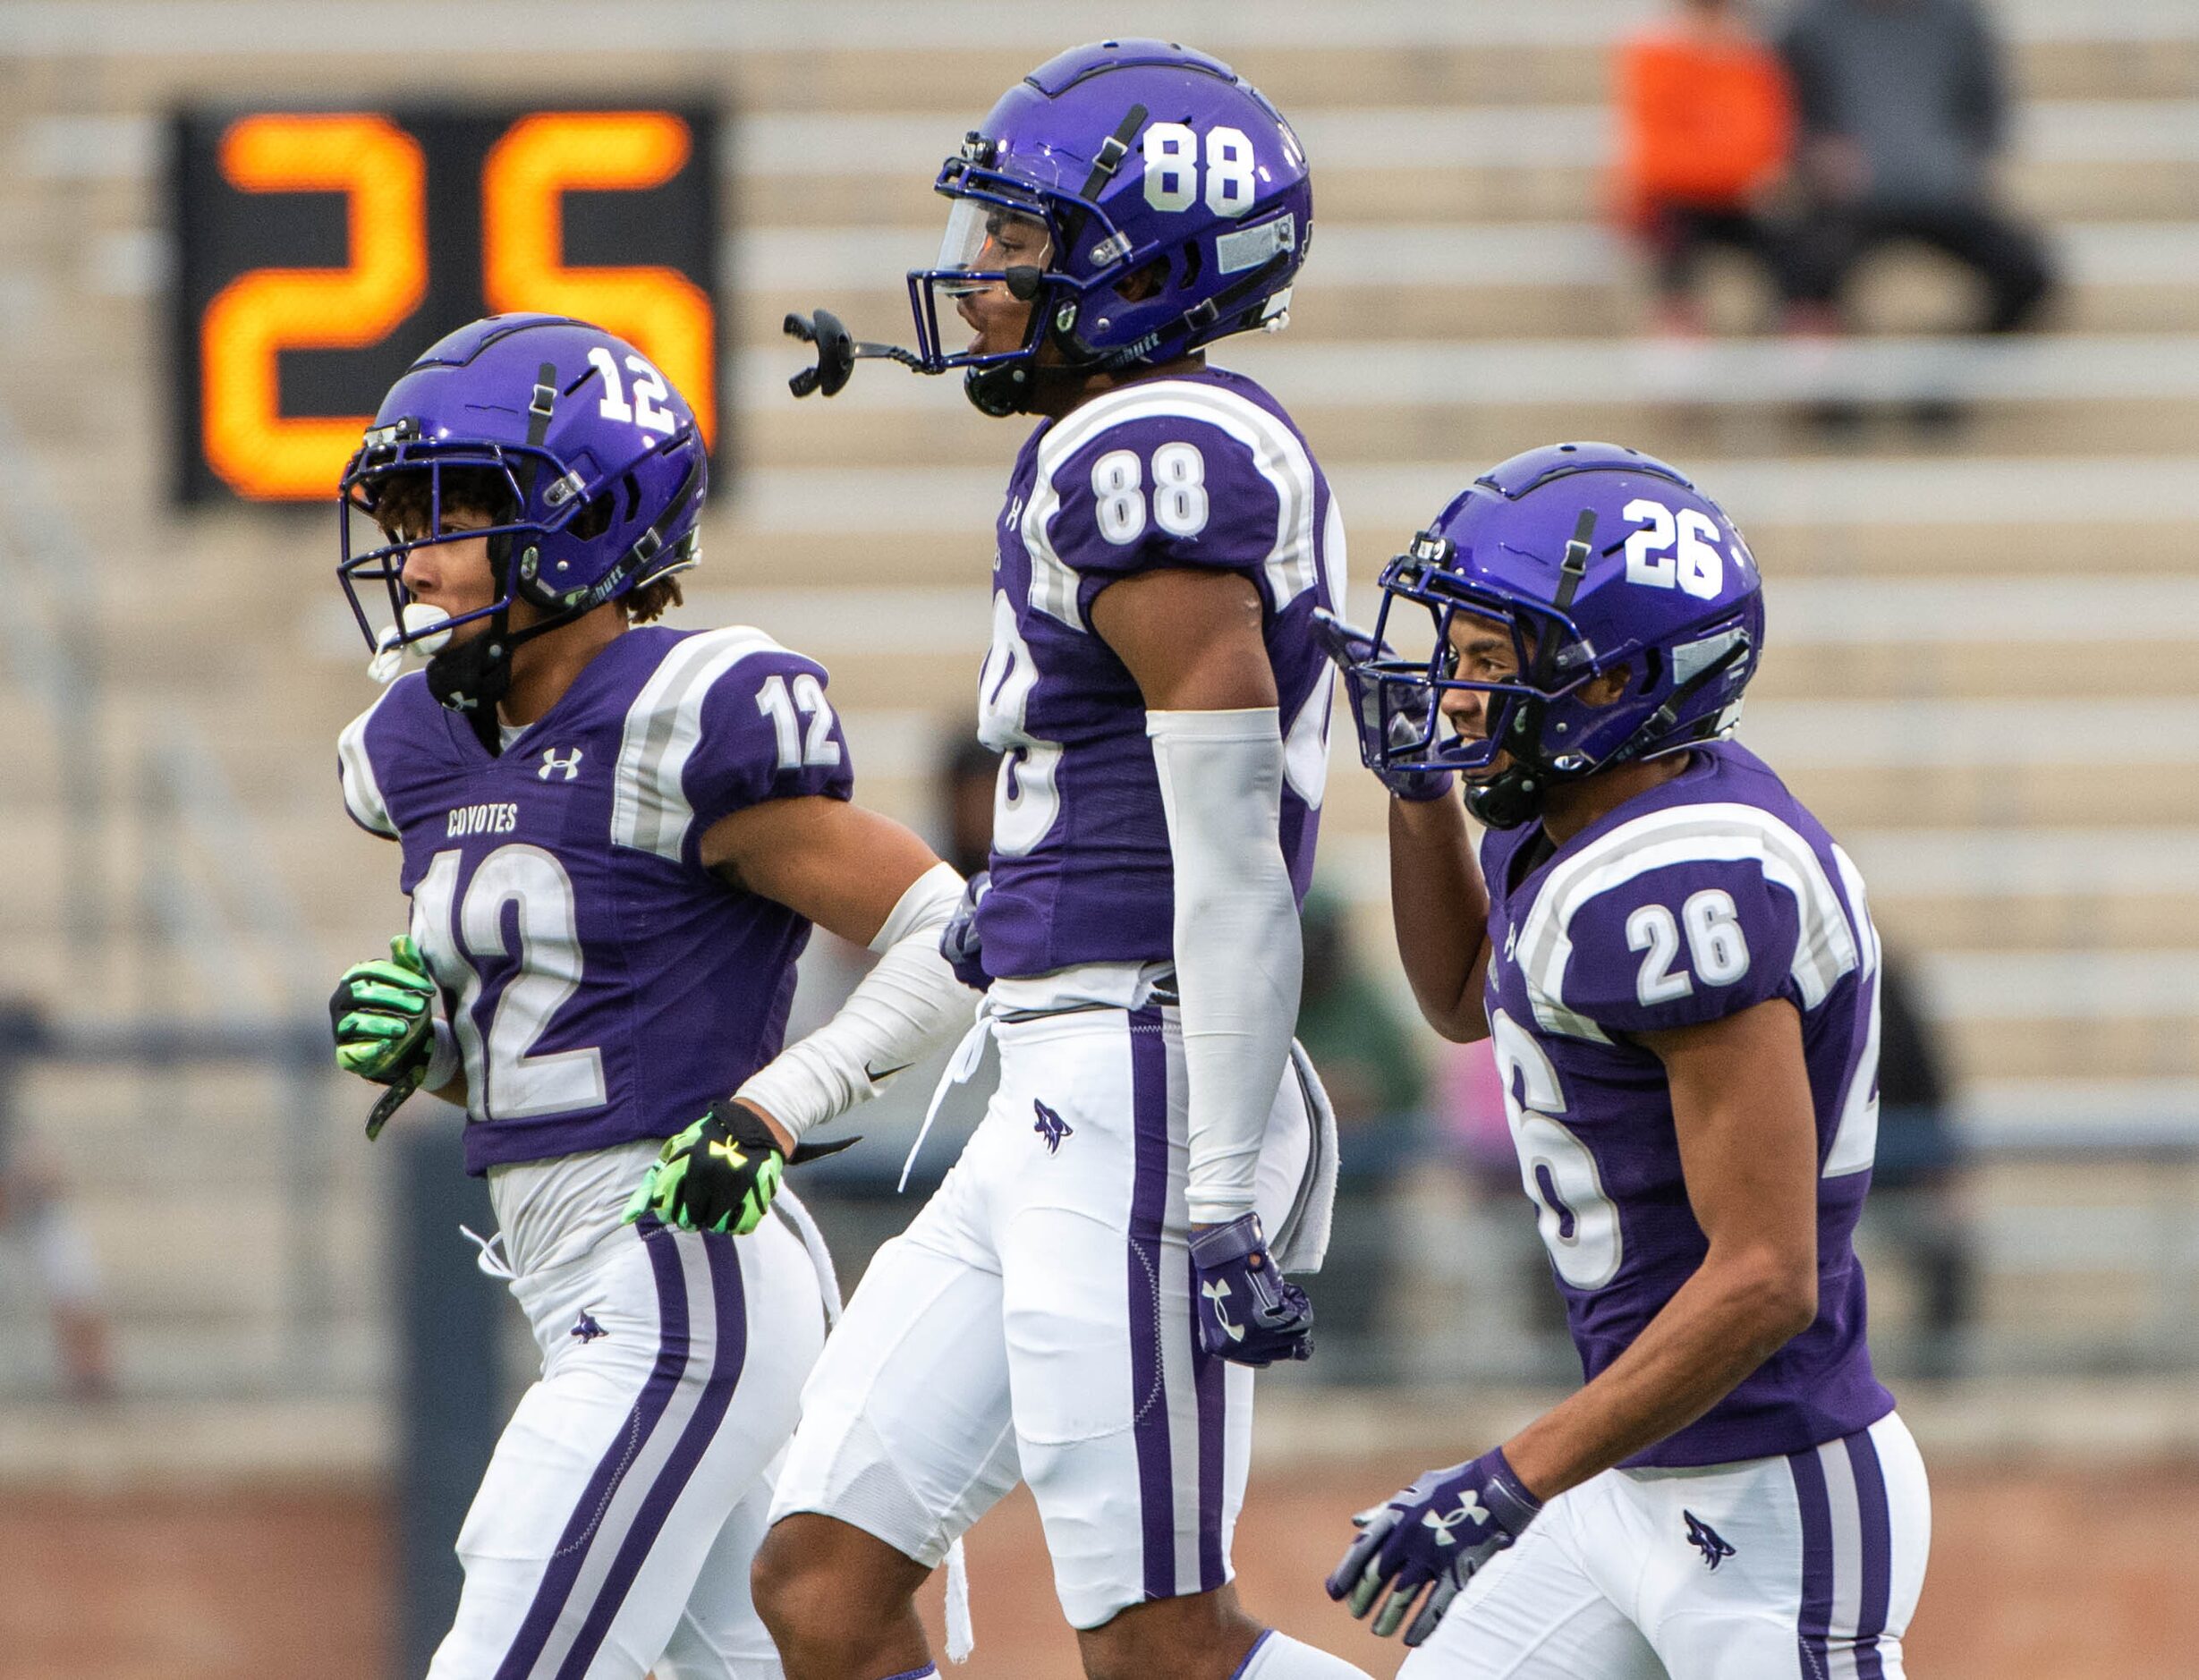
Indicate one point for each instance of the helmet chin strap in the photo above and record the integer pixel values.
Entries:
(473, 676)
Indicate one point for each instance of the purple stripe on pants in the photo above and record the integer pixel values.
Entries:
(1878, 1546)
(1816, 1510)
(572, 1545)
(1209, 1378)
(731, 1303)
(1149, 1208)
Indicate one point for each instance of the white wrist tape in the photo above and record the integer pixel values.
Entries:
(1237, 952)
(907, 1006)
(442, 1064)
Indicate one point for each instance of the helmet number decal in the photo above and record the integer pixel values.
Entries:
(1668, 550)
(650, 391)
(1179, 505)
(1171, 172)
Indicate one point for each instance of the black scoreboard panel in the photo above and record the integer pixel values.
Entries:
(318, 252)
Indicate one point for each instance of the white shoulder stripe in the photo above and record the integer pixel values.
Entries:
(363, 790)
(650, 809)
(1291, 565)
(1828, 947)
(1855, 1138)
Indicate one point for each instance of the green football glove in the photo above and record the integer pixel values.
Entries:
(720, 1174)
(383, 1014)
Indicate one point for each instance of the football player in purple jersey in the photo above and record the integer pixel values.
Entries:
(1083, 1302)
(615, 838)
(1677, 966)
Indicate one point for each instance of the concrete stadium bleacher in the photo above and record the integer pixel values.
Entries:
(1985, 661)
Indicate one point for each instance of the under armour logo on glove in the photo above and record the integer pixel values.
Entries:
(1435, 1534)
(1472, 1510)
(1216, 1293)
(1273, 1318)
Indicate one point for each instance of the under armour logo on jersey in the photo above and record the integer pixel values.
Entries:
(1015, 514)
(586, 1328)
(1511, 940)
(1216, 1292)
(1471, 1510)
(1706, 1540)
(1051, 1126)
(551, 764)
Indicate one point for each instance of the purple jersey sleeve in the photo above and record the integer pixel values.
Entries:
(768, 732)
(1166, 489)
(1674, 946)
(359, 752)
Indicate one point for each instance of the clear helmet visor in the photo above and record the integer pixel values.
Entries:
(985, 278)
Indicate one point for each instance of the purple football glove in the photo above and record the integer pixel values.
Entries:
(1353, 651)
(1248, 1313)
(1441, 1529)
(958, 941)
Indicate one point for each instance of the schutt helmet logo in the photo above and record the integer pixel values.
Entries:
(586, 1328)
(1051, 1126)
(1707, 1541)
(552, 765)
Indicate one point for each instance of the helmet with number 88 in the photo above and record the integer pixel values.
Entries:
(1596, 559)
(1165, 202)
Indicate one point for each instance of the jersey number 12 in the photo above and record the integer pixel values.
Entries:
(505, 1080)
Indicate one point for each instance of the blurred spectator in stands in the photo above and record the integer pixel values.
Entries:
(1363, 1052)
(1902, 108)
(1359, 1042)
(33, 1213)
(1917, 1205)
(967, 783)
(1706, 131)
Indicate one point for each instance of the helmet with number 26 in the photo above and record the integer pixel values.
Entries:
(1597, 559)
(1158, 200)
(586, 461)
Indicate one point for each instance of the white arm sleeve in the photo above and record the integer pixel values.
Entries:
(1237, 951)
(907, 1006)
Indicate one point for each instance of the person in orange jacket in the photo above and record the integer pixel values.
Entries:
(1707, 131)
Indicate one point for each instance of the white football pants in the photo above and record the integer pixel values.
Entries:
(626, 1499)
(1805, 1567)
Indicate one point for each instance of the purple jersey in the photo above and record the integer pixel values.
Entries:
(602, 985)
(1204, 470)
(1712, 893)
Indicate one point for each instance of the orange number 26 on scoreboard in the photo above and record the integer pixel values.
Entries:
(319, 252)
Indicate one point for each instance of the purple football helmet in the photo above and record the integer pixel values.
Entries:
(595, 459)
(1130, 155)
(1595, 558)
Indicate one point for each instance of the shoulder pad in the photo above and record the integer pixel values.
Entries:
(728, 719)
(1681, 916)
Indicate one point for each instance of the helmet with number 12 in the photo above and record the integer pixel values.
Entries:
(1142, 197)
